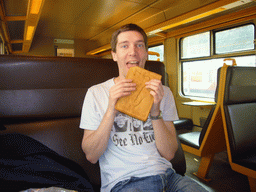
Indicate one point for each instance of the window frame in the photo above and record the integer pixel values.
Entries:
(213, 54)
(233, 27)
(180, 46)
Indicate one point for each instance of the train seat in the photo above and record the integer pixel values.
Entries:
(211, 139)
(239, 107)
(194, 139)
(42, 97)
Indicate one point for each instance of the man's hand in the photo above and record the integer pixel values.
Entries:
(123, 87)
(157, 92)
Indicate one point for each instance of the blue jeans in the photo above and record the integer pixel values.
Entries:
(168, 182)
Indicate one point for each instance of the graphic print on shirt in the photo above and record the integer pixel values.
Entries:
(131, 131)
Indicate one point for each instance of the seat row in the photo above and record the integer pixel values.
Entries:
(230, 126)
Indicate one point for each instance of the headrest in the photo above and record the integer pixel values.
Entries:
(240, 85)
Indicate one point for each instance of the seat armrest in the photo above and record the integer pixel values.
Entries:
(191, 139)
(183, 123)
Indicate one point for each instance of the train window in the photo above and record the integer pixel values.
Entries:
(156, 53)
(196, 46)
(235, 39)
(199, 71)
(200, 77)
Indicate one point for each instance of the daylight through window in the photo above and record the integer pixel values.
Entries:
(199, 66)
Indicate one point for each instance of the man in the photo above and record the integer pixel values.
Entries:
(133, 155)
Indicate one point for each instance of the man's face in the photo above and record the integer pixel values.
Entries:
(130, 51)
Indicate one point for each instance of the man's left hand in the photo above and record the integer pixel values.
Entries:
(157, 91)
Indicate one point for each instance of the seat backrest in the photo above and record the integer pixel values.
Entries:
(207, 122)
(240, 109)
(52, 87)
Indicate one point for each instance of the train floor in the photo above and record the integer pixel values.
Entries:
(223, 178)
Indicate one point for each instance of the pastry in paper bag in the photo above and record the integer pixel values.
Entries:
(138, 104)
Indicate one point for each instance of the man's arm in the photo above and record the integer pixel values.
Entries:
(165, 137)
(95, 143)
(164, 131)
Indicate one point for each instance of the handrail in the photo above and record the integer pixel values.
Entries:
(230, 59)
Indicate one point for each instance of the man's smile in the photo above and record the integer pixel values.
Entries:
(132, 63)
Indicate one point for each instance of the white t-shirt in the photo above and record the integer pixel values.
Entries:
(131, 148)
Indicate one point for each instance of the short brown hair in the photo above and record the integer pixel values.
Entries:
(128, 27)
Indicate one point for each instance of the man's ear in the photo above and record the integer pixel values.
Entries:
(113, 55)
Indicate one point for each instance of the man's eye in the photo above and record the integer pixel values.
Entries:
(124, 46)
(140, 45)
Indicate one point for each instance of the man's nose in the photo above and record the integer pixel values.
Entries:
(133, 50)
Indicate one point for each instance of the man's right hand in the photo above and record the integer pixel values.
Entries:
(122, 87)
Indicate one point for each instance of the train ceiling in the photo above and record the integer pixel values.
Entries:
(95, 20)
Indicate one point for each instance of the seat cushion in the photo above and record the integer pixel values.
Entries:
(247, 161)
(191, 139)
(27, 163)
